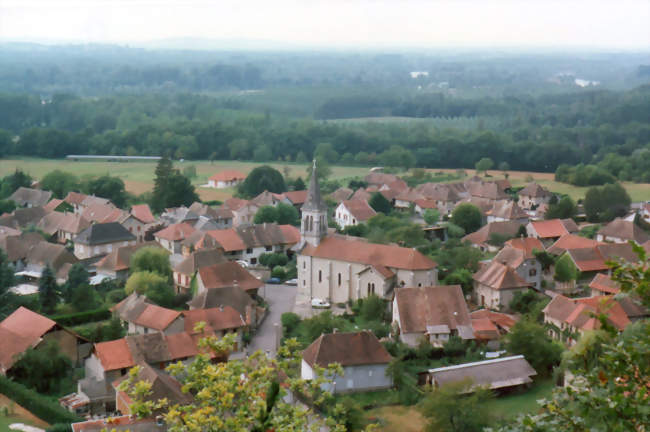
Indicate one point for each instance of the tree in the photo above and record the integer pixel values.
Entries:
(151, 259)
(634, 279)
(265, 214)
(462, 277)
(180, 191)
(326, 152)
(299, 184)
(604, 203)
(323, 172)
(77, 290)
(42, 369)
(242, 395)
(262, 153)
(531, 340)
(468, 217)
(286, 214)
(397, 156)
(163, 172)
(60, 183)
(504, 166)
(565, 270)
(484, 164)
(379, 203)
(431, 216)
(154, 286)
(373, 308)
(6, 273)
(108, 187)
(48, 290)
(449, 408)
(13, 181)
(564, 209)
(260, 179)
(523, 301)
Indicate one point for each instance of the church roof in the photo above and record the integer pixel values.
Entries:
(314, 202)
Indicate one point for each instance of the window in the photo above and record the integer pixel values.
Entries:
(304, 282)
(370, 373)
(339, 279)
(532, 272)
(253, 260)
(268, 248)
(178, 277)
(320, 276)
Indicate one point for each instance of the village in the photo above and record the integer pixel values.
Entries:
(401, 281)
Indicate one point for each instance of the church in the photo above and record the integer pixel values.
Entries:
(339, 268)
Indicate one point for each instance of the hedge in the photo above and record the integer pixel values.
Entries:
(39, 405)
(79, 318)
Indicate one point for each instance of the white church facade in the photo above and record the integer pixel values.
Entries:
(339, 268)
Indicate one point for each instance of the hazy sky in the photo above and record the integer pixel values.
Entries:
(352, 23)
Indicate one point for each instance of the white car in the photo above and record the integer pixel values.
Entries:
(291, 282)
(242, 263)
(319, 303)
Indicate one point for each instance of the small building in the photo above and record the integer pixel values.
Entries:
(226, 179)
(489, 325)
(602, 285)
(28, 197)
(138, 221)
(498, 374)
(340, 195)
(296, 198)
(44, 254)
(533, 195)
(184, 271)
(495, 285)
(525, 264)
(353, 212)
(506, 210)
(571, 241)
(229, 296)
(22, 218)
(226, 274)
(220, 321)
(143, 317)
(116, 264)
(243, 211)
(435, 313)
(101, 239)
(622, 231)
(171, 238)
(422, 205)
(364, 361)
(489, 236)
(549, 231)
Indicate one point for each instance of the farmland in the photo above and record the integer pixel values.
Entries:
(138, 176)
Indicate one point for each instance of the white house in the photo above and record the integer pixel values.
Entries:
(226, 179)
(353, 212)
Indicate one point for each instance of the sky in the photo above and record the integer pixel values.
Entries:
(621, 24)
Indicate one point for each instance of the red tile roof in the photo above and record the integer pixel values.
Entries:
(216, 319)
(352, 249)
(228, 239)
(114, 354)
(580, 313)
(228, 175)
(360, 209)
(420, 308)
(534, 190)
(156, 317)
(228, 274)
(501, 320)
(571, 241)
(291, 234)
(426, 203)
(296, 197)
(527, 244)
(347, 349)
(550, 228)
(499, 276)
(484, 329)
(235, 203)
(75, 198)
(604, 283)
(142, 212)
(52, 205)
(175, 232)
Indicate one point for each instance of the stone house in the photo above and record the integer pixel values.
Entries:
(353, 212)
(533, 195)
(495, 285)
(171, 238)
(524, 263)
(506, 210)
(140, 316)
(229, 296)
(622, 231)
(549, 231)
(488, 236)
(364, 361)
(28, 197)
(226, 274)
(116, 264)
(184, 271)
(100, 239)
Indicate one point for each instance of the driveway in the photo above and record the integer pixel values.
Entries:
(280, 299)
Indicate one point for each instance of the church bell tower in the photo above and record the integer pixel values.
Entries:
(314, 214)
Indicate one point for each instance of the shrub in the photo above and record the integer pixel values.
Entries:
(115, 296)
(60, 427)
(290, 322)
(82, 317)
(39, 405)
(372, 308)
(278, 272)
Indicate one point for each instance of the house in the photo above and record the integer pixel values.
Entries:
(342, 268)
(110, 361)
(592, 260)
(116, 264)
(361, 194)
(533, 195)
(568, 318)
(28, 197)
(184, 271)
(445, 196)
(177, 215)
(505, 210)
(267, 198)
(490, 236)
(16, 246)
(219, 321)
(364, 361)
(340, 195)
(408, 197)
(248, 242)
(100, 239)
(243, 211)
(22, 218)
(602, 285)
(622, 231)
(495, 285)
(487, 191)
(435, 313)
(138, 221)
(63, 227)
(75, 199)
(221, 217)
(379, 179)
(296, 198)
(353, 212)
(489, 325)
(58, 205)
(523, 262)
(549, 231)
(102, 212)
(141, 316)
(24, 329)
(229, 296)
(422, 205)
(226, 274)
(226, 179)
(171, 238)
(496, 374)
(571, 241)
(44, 254)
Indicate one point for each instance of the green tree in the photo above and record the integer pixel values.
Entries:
(462, 277)
(326, 152)
(504, 166)
(286, 214)
(154, 286)
(565, 270)
(163, 172)
(373, 308)
(60, 183)
(564, 209)
(468, 217)
(42, 369)
(397, 156)
(48, 291)
(431, 216)
(531, 340)
(323, 172)
(7, 279)
(260, 179)
(13, 181)
(484, 164)
(265, 214)
(151, 259)
(180, 191)
(523, 301)
(262, 153)
(604, 203)
(449, 408)
(299, 184)
(108, 187)
(77, 276)
(379, 203)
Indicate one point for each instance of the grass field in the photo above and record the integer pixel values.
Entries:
(138, 176)
(17, 414)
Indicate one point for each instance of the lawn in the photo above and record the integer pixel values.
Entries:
(17, 414)
(510, 406)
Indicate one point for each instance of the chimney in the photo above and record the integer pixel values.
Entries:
(220, 308)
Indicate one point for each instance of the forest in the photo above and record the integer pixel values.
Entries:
(522, 111)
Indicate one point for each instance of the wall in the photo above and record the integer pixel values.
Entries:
(85, 251)
(67, 343)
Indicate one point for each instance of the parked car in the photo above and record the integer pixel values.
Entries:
(291, 282)
(319, 303)
(273, 281)
(243, 263)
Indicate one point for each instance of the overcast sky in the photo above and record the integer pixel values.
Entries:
(353, 23)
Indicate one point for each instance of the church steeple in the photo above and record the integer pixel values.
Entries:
(314, 213)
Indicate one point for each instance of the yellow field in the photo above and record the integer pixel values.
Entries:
(138, 176)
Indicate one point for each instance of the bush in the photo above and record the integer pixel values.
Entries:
(39, 405)
(82, 317)
(372, 308)
(272, 260)
(290, 322)
(60, 427)
(279, 272)
(115, 296)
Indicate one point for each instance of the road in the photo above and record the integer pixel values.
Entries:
(280, 299)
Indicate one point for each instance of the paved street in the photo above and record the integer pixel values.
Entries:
(280, 299)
